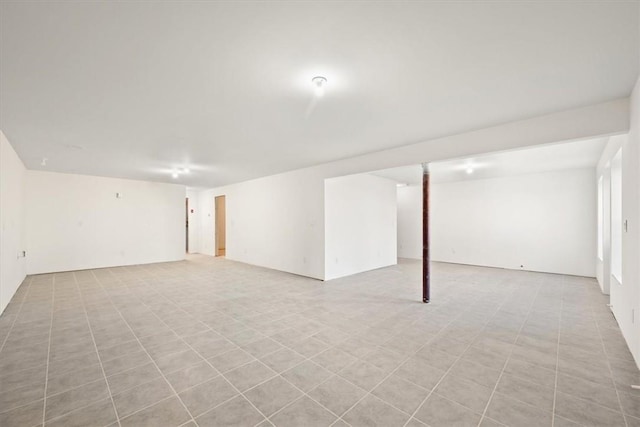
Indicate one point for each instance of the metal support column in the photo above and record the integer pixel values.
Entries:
(426, 267)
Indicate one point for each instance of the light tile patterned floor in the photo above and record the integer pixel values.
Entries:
(211, 342)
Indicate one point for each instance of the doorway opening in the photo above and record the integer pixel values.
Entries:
(221, 226)
(186, 216)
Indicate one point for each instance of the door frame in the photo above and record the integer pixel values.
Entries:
(217, 250)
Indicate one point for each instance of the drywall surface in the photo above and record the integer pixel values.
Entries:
(603, 175)
(625, 294)
(538, 222)
(12, 225)
(76, 222)
(275, 222)
(410, 222)
(193, 196)
(631, 212)
(603, 170)
(278, 221)
(360, 224)
(616, 216)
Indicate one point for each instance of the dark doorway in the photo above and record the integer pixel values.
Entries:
(186, 204)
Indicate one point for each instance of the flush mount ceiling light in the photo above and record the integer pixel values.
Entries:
(469, 170)
(176, 172)
(319, 84)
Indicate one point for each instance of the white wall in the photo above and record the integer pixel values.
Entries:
(194, 220)
(275, 222)
(603, 169)
(625, 296)
(536, 222)
(410, 222)
(602, 259)
(616, 216)
(360, 224)
(631, 212)
(540, 221)
(75, 222)
(278, 221)
(12, 227)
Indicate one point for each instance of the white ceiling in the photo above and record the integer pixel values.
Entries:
(136, 89)
(570, 155)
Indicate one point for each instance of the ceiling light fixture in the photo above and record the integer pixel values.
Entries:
(319, 84)
(176, 172)
(469, 170)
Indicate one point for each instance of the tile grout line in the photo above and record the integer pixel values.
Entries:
(409, 356)
(95, 347)
(367, 393)
(447, 371)
(360, 358)
(241, 393)
(309, 359)
(506, 362)
(615, 386)
(44, 364)
(205, 359)
(145, 350)
(46, 377)
(57, 417)
(178, 326)
(269, 337)
(135, 412)
(24, 298)
(131, 388)
(278, 374)
(555, 386)
(169, 354)
(93, 381)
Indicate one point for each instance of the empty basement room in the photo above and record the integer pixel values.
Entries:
(276, 213)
